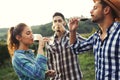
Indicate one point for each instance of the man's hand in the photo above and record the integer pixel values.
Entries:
(73, 24)
(50, 73)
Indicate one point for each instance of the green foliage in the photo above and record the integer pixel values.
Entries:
(44, 30)
(7, 73)
(86, 35)
(87, 65)
(3, 52)
(86, 60)
(86, 26)
(3, 32)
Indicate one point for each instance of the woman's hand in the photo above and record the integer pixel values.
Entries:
(42, 42)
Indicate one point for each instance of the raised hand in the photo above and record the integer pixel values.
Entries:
(73, 24)
(43, 41)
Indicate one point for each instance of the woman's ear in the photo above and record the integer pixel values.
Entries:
(18, 37)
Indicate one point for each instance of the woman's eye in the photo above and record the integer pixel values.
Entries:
(28, 33)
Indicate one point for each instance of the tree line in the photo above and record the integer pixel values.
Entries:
(45, 30)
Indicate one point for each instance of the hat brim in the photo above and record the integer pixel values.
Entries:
(95, 0)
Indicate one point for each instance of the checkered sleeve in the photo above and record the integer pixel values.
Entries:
(82, 44)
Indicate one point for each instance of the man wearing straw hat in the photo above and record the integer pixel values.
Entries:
(105, 42)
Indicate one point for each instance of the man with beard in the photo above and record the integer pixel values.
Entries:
(60, 56)
(105, 42)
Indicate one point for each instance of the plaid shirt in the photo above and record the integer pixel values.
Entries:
(62, 60)
(28, 67)
(107, 52)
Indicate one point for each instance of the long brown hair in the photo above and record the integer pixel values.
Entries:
(12, 42)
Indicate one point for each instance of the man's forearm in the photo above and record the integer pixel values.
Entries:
(72, 37)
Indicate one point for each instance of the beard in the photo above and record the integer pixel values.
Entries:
(97, 18)
(94, 20)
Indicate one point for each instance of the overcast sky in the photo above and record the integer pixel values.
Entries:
(36, 12)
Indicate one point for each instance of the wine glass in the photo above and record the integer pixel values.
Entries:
(37, 37)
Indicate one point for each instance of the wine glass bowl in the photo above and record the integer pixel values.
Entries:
(37, 37)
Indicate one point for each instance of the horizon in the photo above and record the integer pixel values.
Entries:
(36, 12)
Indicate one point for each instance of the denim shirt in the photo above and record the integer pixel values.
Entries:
(29, 67)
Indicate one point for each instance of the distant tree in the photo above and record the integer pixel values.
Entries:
(4, 54)
(86, 26)
(44, 30)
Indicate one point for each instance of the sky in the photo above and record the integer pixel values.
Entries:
(37, 12)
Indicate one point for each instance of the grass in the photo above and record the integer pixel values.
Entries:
(87, 65)
(7, 73)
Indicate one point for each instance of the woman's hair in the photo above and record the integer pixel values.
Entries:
(12, 42)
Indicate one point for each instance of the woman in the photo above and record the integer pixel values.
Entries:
(24, 63)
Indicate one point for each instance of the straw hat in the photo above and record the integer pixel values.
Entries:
(115, 4)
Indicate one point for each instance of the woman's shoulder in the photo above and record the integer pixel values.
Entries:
(22, 53)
